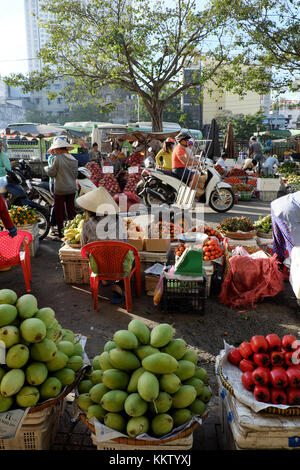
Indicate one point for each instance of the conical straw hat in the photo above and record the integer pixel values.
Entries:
(99, 201)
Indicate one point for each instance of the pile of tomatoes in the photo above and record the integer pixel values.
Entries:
(179, 249)
(211, 232)
(270, 367)
(212, 249)
(167, 230)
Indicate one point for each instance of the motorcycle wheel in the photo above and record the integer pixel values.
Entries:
(222, 200)
(150, 200)
(44, 224)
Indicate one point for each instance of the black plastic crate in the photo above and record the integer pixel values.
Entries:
(184, 296)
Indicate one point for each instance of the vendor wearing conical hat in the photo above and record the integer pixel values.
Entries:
(102, 220)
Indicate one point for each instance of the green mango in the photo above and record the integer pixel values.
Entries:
(161, 335)
(148, 386)
(125, 339)
(186, 370)
(124, 360)
(114, 400)
(33, 330)
(17, 356)
(27, 306)
(140, 330)
(27, 396)
(36, 373)
(51, 388)
(8, 296)
(162, 424)
(160, 363)
(9, 335)
(8, 314)
(115, 379)
(134, 405)
(176, 348)
(137, 425)
(115, 421)
(66, 376)
(12, 382)
(184, 396)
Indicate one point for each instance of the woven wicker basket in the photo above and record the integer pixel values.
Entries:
(291, 411)
(240, 235)
(142, 442)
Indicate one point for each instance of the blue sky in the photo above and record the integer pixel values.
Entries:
(13, 52)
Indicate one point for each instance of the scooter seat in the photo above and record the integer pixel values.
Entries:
(169, 173)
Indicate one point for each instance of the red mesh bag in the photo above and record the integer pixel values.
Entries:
(250, 280)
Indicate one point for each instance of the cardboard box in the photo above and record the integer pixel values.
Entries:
(138, 243)
(157, 244)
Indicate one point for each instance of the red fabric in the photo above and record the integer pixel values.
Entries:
(250, 280)
(5, 217)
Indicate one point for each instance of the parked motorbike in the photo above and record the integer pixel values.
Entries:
(15, 195)
(162, 187)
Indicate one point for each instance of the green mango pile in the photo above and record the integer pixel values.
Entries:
(41, 357)
(144, 381)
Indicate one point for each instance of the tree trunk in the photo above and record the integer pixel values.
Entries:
(155, 109)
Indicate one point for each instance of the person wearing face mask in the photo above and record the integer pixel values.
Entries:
(163, 158)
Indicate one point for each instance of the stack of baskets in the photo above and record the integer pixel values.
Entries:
(75, 267)
(39, 428)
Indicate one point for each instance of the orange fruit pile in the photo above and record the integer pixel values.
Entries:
(211, 250)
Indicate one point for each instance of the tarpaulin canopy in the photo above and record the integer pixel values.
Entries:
(40, 131)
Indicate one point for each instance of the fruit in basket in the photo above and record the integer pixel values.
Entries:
(277, 358)
(9, 335)
(125, 339)
(58, 362)
(181, 416)
(84, 401)
(274, 342)
(162, 404)
(96, 411)
(278, 378)
(161, 335)
(190, 355)
(145, 350)
(293, 396)
(66, 347)
(47, 315)
(97, 391)
(78, 349)
(75, 363)
(43, 351)
(197, 383)
(176, 348)
(50, 388)
(162, 424)
(234, 224)
(153, 389)
(289, 343)
(247, 366)
(261, 376)
(247, 381)
(84, 386)
(12, 382)
(17, 356)
(148, 386)
(5, 403)
(160, 363)
(27, 306)
(68, 335)
(169, 383)
(115, 421)
(54, 334)
(135, 406)
(137, 425)
(234, 356)
(212, 249)
(262, 393)
(134, 378)
(184, 396)
(245, 349)
(36, 373)
(124, 360)
(104, 361)
(8, 296)
(140, 330)
(185, 370)
(96, 376)
(114, 400)
(33, 330)
(258, 344)
(278, 396)
(115, 379)
(261, 359)
(109, 345)
(66, 376)
(27, 396)
(8, 313)
(293, 374)
(95, 362)
(197, 407)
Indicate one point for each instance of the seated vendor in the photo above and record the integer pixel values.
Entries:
(102, 222)
(249, 164)
(285, 212)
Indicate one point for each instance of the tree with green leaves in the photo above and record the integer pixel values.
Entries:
(243, 126)
(139, 46)
(263, 33)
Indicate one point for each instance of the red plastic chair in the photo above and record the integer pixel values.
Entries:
(11, 254)
(109, 256)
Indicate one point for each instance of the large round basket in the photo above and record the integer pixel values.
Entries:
(269, 235)
(291, 411)
(240, 235)
(61, 396)
(143, 442)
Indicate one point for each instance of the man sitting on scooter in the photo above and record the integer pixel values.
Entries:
(180, 160)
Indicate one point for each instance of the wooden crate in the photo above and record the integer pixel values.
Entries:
(75, 267)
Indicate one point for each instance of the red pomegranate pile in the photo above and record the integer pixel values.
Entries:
(271, 368)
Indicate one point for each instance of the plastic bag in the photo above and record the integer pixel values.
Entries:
(159, 290)
(249, 280)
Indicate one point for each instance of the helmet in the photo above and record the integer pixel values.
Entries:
(191, 142)
(182, 136)
(170, 139)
